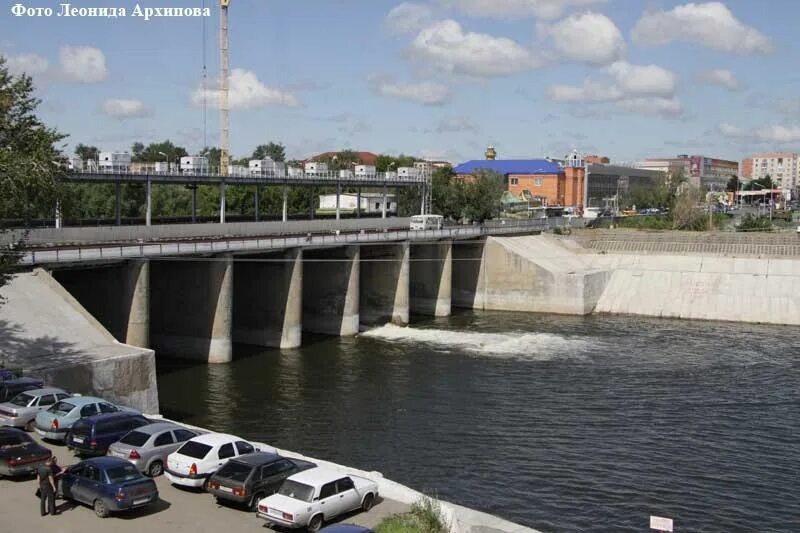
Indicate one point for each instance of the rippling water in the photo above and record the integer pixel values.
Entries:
(559, 423)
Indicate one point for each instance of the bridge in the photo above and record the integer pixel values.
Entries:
(281, 178)
(194, 290)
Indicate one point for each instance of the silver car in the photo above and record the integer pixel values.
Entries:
(147, 447)
(20, 411)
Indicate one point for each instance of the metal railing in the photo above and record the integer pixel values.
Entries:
(87, 253)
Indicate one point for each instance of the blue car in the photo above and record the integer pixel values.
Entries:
(108, 485)
(94, 434)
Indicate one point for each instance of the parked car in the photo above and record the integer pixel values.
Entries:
(345, 528)
(20, 455)
(11, 387)
(311, 497)
(21, 410)
(108, 485)
(200, 457)
(147, 447)
(93, 435)
(54, 423)
(6, 374)
(249, 478)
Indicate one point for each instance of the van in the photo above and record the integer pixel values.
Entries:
(426, 222)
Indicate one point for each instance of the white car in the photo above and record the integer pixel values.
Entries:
(200, 457)
(309, 498)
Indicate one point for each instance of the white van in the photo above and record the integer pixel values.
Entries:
(424, 222)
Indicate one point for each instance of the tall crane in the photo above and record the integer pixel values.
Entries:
(224, 108)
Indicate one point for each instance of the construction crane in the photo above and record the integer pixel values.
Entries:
(224, 108)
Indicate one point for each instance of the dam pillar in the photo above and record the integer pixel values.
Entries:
(330, 290)
(268, 299)
(116, 295)
(432, 278)
(384, 293)
(469, 274)
(192, 308)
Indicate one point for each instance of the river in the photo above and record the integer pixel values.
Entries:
(559, 423)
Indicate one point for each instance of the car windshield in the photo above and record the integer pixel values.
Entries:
(62, 408)
(298, 491)
(135, 438)
(196, 450)
(10, 441)
(121, 474)
(22, 400)
(82, 427)
(235, 470)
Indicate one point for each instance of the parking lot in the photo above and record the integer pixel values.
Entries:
(178, 510)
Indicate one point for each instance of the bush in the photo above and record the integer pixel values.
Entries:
(425, 517)
(751, 223)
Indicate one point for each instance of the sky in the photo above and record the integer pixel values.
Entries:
(440, 79)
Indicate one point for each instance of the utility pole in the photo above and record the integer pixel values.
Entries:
(224, 111)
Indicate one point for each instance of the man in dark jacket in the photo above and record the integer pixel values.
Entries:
(47, 488)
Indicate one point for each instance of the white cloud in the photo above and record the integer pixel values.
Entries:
(408, 17)
(457, 125)
(719, 76)
(425, 93)
(122, 108)
(644, 89)
(709, 24)
(774, 133)
(246, 92)
(590, 38)
(30, 64)
(447, 46)
(82, 64)
(510, 9)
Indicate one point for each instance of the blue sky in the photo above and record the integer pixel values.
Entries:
(437, 78)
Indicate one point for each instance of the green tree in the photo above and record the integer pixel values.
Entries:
(30, 163)
(213, 154)
(482, 196)
(733, 184)
(275, 151)
(87, 153)
(155, 152)
(448, 194)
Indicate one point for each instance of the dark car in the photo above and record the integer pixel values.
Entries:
(251, 477)
(94, 434)
(20, 455)
(11, 387)
(6, 374)
(108, 485)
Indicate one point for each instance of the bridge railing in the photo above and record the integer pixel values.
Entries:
(242, 244)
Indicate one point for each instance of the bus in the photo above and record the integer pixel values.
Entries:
(425, 222)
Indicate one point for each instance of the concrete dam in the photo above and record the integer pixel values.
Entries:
(97, 327)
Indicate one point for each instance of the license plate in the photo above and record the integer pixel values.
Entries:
(79, 440)
(141, 501)
(277, 513)
(226, 489)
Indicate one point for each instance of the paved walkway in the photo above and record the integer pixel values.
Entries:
(178, 510)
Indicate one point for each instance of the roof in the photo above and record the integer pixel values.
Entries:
(82, 400)
(158, 427)
(43, 391)
(212, 439)
(106, 461)
(510, 166)
(257, 458)
(110, 416)
(318, 476)
(21, 381)
(366, 158)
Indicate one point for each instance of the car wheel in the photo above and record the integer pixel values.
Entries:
(369, 501)
(315, 524)
(254, 502)
(100, 509)
(155, 469)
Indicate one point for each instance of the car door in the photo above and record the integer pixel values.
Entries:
(349, 498)
(273, 474)
(46, 401)
(86, 485)
(226, 451)
(163, 445)
(329, 501)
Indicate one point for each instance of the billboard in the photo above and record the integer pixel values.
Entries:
(696, 166)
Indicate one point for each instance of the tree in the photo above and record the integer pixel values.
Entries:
(733, 184)
(30, 163)
(275, 151)
(214, 154)
(448, 194)
(482, 196)
(87, 153)
(156, 152)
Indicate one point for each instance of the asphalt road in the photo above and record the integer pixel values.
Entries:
(177, 510)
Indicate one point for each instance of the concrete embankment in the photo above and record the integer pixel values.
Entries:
(44, 330)
(542, 273)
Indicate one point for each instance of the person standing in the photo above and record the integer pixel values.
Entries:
(47, 488)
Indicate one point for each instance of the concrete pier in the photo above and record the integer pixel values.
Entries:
(469, 274)
(116, 295)
(331, 290)
(192, 308)
(384, 291)
(268, 299)
(432, 278)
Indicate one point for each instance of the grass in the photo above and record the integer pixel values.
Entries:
(425, 517)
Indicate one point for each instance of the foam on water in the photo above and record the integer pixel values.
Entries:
(512, 345)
